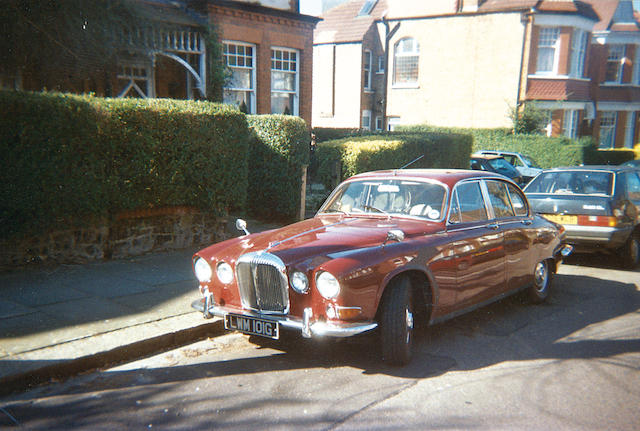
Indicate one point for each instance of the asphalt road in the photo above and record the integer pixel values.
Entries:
(570, 364)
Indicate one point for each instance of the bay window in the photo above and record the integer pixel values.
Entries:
(548, 41)
(614, 63)
(578, 50)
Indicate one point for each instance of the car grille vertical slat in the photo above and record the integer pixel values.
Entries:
(263, 283)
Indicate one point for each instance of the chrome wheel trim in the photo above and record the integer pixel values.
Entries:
(541, 276)
(409, 323)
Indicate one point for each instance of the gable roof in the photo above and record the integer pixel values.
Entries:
(574, 7)
(616, 15)
(343, 24)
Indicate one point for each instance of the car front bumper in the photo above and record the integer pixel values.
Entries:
(307, 326)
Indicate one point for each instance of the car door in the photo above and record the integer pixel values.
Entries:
(476, 245)
(511, 218)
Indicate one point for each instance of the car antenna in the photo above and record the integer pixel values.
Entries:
(412, 162)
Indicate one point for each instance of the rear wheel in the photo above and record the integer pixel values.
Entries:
(396, 323)
(541, 287)
(630, 253)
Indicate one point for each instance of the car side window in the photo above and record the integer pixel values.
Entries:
(499, 198)
(467, 204)
(633, 186)
(518, 201)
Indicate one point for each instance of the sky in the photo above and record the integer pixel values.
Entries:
(316, 7)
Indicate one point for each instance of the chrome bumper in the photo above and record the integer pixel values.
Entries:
(306, 326)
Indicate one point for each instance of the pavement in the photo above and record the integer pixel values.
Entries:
(58, 321)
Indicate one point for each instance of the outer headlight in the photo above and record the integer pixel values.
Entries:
(327, 285)
(224, 272)
(202, 269)
(299, 282)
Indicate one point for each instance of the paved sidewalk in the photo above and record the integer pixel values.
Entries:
(58, 321)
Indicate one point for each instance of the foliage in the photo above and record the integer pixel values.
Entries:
(391, 151)
(527, 119)
(329, 134)
(68, 158)
(216, 72)
(278, 150)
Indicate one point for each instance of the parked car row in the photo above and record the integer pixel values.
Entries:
(391, 250)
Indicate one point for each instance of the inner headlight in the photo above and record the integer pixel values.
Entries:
(224, 272)
(299, 282)
(327, 285)
(202, 269)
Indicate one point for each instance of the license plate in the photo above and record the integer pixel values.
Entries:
(562, 219)
(252, 325)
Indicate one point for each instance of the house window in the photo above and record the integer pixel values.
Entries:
(578, 50)
(636, 67)
(380, 64)
(366, 120)
(571, 122)
(366, 64)
(240, 88)
(366, 7)
(405, 67)
(629, 130)
(379, 123)
(547, 50)
(614, 63)
(608, 129)
(284, 81)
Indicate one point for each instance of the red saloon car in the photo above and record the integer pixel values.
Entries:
(386, 251)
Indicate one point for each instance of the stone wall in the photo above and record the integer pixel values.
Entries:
(130, 234)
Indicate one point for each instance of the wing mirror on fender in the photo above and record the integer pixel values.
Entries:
(242, 225)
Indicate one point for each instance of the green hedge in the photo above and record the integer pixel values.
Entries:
(67, 158)
(548, 152)
(390, 151)
(278, 150)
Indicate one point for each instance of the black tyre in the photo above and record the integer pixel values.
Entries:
(396, 323)
(630, 253)
(542, 275)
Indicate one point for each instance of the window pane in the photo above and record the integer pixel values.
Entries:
(518, 201)
(236, 98)
(499, 199)
(405, 69)
(547, 49)
(607, 129)
(283, 81)
(281, 103)
(240, 78)
(471, 202)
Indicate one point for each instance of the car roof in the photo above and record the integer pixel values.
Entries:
(446, 176)
(509, 153)
(486, 156)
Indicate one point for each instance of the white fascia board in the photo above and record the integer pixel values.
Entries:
(618, 106)
(555, 20)
(560, 105)
(616, 38)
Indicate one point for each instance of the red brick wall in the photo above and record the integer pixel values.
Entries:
(267, 31)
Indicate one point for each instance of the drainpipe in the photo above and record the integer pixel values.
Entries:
(387, 37)
(527, 20)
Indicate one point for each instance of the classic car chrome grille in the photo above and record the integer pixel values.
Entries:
(263, 284)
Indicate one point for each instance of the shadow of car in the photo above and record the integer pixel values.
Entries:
(599, 207)
(387, 251)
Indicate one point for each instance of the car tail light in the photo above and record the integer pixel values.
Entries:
(605, 221)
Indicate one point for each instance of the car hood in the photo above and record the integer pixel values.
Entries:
(321, 236)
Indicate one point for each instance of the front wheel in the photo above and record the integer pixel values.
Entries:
(630, 253)
(396, 323)
(541, 287)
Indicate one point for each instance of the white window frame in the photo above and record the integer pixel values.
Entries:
(227, 56)
(381, 62)
(401, 51)
(548, 39)
(617, 53)
(570, 123)
(285, 67)
(366, 120)
(379, 122)
(608, 122)
(578, 52)
(367, 65)
(629, 129)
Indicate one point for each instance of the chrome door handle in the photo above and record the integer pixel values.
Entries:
(494, 226)
(527, 222)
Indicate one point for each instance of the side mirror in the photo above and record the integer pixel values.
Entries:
(394, 235)
(242, 225)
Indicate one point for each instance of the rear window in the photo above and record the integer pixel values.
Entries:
(572, 182)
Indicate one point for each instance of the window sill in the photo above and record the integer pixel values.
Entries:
(405, 86)
(369, 91)
(561, 77)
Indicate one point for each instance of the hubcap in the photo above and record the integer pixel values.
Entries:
(409, 321)
(541, 276)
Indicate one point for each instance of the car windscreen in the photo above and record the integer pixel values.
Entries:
(530, 162)
(572, 182)
(394, 196)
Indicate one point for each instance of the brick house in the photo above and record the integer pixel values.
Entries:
(467, 63)
(267, 48)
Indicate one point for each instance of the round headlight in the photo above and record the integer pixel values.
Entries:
(327, 285)
(224, 272)
(202, 270)
(299, 282)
